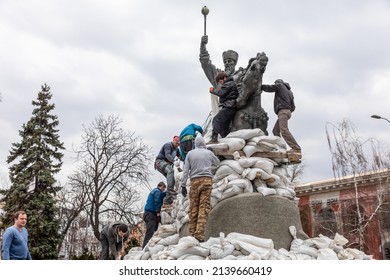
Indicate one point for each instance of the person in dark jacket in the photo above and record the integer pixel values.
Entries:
(283, 106)
(152, 211)
(227, 94)
(164, 164)
(112, 238)
(187, 137)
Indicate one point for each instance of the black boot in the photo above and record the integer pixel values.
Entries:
(214, 138)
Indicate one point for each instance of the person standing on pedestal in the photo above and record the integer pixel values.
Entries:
(283, 106)
(197, 167)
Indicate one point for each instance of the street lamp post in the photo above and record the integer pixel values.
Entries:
(379, 117)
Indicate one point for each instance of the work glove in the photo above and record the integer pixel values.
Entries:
(184, 191)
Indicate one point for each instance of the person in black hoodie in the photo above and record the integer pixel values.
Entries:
(283, 106)
(227, 94)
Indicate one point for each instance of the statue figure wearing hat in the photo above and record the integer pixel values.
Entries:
(249, 113)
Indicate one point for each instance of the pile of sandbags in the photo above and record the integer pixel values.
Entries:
(247, 173)
(237, 246)
(241, 174)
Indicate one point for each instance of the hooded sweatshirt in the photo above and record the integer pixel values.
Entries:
(284, 98)
(114, 240)
(199, 161)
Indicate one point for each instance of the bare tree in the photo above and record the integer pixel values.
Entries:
(113, 166)
(296, 171)
(355, 157)
(70, 203)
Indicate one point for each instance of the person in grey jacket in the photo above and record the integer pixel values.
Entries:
(197, 167)
(283, 106)
(112, 238)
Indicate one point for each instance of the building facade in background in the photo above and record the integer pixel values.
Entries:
(357, 207)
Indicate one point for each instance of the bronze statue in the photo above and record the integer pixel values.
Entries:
(250, 113)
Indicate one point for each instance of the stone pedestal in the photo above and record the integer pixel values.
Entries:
(257, 215)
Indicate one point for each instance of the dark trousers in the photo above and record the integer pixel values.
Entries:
(151, 220)
(222, 120)
(105, 252)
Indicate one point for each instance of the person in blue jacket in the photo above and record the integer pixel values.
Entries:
(15, 239)
(152, 211)
(187, 137)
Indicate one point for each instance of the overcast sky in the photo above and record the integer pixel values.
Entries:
(140, 60)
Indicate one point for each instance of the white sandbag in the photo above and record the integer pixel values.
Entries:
(278, 141)
(235, 144)
(266, 164)
(162, 255)
(245, 133)
(258, 173)
(266, 191)
(254, 139)
(146, 256)
(258, 183)
(340, 240)
(177, 252)
(358, 255)
(165, 231)
(313, 252)
(263, 251)
(234, 190)
(225, 187)
(170, 240)
(213, 201)
(220, 147)
(216, 193)
(230, 257)
(303, 257)
(257, 241)
(322, 241)
(220, 183)
(267, 147)
(254, 144)
(345, 255)
(155, 249)
(284, 193)
(273, 181)
(222, 172)
(246, 162)
(234, 164)
(241, 183)
(250, 150)
(133, 255)
(327, 254)
(191, 257)
(166, 218)
(218, 252)
(232, 177)
(249, 186)
(284, 190)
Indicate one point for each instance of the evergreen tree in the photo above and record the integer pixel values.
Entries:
(33, 188)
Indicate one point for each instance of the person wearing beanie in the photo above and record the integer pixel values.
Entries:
(152, 211)
(283, 107)
(198, 168)
(164, 164)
